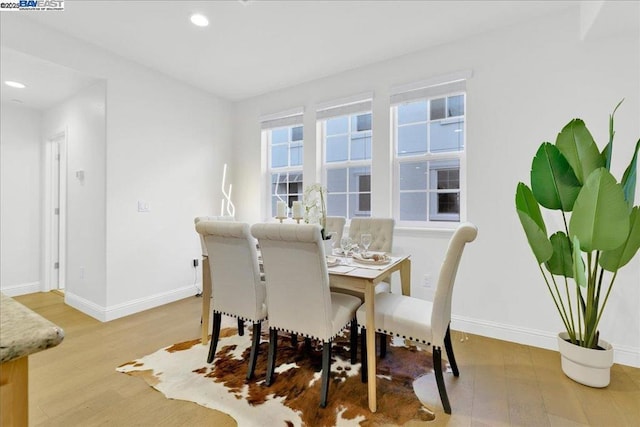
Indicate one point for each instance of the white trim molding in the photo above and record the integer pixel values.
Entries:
(623, 355)
(106, 314)
(21, 289)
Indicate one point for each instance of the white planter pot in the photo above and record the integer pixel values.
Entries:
(585, 365)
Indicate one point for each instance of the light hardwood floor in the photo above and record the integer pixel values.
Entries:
(500, 383)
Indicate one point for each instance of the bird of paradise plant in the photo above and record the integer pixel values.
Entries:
(601, 225)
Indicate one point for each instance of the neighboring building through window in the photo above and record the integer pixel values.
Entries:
(429, 146)
(285, 153)
(346, 141)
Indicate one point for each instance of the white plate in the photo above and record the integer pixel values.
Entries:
(385, 260)
(332, 261)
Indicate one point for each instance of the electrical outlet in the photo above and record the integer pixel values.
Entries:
(426, 281)
(195, 263)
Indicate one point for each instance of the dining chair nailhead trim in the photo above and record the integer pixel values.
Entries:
(382, 331)
(235, 316)
(312, 336)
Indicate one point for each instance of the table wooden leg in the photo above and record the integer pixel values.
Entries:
(369, 302)
(206, 299)
(14, 392)
(405, 277)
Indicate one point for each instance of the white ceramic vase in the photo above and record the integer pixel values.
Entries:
(586, 365)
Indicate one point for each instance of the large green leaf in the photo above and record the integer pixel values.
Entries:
(553, 182)
(577, 145)
(630, 177)
(578, 264)
(600, 216)
(561, 262)
(532, 223)
(619, 257)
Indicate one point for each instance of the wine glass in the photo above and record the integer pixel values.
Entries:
(331, 236)
(365, 240)
(345, 245)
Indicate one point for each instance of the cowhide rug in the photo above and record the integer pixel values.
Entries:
(181, 372)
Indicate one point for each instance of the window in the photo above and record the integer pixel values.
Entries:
(285, 186)
(346, 140)
(429, 146)
(285, 153)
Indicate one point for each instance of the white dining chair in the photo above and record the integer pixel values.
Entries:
(335, 224)
(210, 218)
(206, 274)
(381, 230)
(423, 321)
(298, 294)
(235, 272)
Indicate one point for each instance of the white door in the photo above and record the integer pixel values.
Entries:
(57, 202)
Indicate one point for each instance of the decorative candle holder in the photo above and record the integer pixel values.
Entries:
(297, 219)
(281, 218)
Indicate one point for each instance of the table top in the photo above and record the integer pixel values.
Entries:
(23, 331)
(353, 268)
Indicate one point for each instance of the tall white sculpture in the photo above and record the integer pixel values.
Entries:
(226, 202)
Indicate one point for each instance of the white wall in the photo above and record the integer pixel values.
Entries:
(20, 142)
(528, 82)
(82, 119)
(165, 145)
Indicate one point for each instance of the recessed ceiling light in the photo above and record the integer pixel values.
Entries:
(17, 85)
(199, 20)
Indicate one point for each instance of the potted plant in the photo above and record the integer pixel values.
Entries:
(601, 234)
(315, 210)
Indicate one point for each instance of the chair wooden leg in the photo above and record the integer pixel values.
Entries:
(450, 356)
(437, 367)
(294, 340)
(307, 345)
(215, 335)
(271, 358)
(326, 370)
(255, 346)
(363, 354)
(354, 341)
(383, 346)
(241, 327)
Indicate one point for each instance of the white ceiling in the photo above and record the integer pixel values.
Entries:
(47, 84)
(254, 47)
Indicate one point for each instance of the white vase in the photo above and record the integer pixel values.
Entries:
(586, 365)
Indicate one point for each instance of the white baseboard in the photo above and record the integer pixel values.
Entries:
(21, 289)
(623, 355)
(84, 305)
(105, 314)
(141, 304)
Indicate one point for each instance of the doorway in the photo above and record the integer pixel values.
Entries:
(55, 219)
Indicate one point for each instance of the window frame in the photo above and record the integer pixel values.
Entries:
(267, 135)
(429, 157)
(347, 164)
